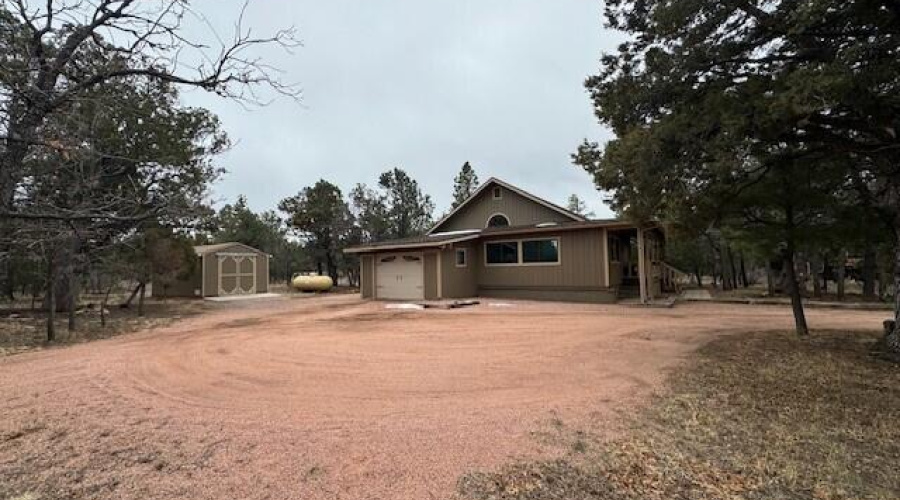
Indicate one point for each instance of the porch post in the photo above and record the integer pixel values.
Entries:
(642, 267)
(606, 264)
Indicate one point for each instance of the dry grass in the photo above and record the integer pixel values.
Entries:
(760, 416)
(26, 330)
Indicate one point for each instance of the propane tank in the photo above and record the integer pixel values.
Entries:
(312, 283)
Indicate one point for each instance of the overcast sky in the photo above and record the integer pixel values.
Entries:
(422, 85)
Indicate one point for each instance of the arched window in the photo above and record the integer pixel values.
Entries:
(498, 220)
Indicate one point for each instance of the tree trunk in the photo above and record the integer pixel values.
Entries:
(841, 270)
(10, 280)
(332, 268)
(70, 307)
(51, 300)
(131, 297)
(103, 307)
(746, 281)
(71, 301)
(770, 278)
(868, 272)
(893, 341)
(794, 291)
(814, 274)
(732, 268)
(141, 300)
(698, 277)
(883, 285)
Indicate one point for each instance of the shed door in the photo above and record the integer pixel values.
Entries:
(400, 276)
(237, 274)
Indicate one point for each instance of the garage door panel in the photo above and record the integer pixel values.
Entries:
(400, 277)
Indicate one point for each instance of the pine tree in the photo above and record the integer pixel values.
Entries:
(577, 206)
(465, 183)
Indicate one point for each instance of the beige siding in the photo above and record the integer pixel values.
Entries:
(262, 273)
(211, 264)
(367, 276)
(519, 210)
(592, 296)
(431, 279)
(581, 265)
(459, 282)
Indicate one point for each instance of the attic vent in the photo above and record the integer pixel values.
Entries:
(547, 224)
(498, 193)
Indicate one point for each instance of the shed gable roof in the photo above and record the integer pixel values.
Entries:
(493, 181)
(202, 250)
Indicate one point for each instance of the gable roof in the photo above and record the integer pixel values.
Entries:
(520, 192)
(207, 249)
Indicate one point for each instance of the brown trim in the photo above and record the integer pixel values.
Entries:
(486, 233)
(606, 263)
(410, 246)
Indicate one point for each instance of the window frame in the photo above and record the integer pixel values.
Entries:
(520, 262)
(558, 260)
(465, 254)
(487, 223)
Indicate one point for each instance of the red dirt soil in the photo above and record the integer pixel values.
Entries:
(335, 398)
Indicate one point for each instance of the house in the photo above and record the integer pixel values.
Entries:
(507, 243)
(222, 269)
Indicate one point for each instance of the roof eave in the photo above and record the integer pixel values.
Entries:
(408, 246)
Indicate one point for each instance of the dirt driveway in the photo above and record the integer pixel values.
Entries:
(334, 398)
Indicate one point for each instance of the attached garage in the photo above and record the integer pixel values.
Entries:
(223, 269)
(400, 276)
(410, 269)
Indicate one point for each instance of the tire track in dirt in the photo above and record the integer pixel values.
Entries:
(332, 397)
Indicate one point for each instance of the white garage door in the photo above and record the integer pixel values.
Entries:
(400, 276)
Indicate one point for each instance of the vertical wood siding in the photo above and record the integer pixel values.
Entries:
(431, 275)
(581, 264)
(367, 276)
(459, 282)
(519, 210)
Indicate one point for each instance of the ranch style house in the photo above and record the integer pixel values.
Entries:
(503, 242)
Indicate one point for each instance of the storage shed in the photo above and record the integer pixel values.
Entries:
(223, 269)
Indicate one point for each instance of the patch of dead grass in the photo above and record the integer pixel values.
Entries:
(26, 330)
(759, 416)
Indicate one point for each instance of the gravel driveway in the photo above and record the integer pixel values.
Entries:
(335, 398)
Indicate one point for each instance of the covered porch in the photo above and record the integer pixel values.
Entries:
(636, 264)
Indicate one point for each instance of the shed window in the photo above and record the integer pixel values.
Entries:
(540, 251)
(498, 193)
(461, 257)
(506, 252)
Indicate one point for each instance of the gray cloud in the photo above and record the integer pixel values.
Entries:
(420, 85)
